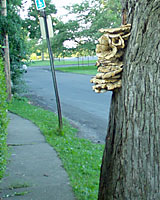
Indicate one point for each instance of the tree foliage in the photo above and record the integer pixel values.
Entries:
(32, 22)
(81, 30)
(91, 16)
(64, 32)
(14, 26)
(32, 26)
(3, 120)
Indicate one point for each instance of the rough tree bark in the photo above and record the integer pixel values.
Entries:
(131, 162)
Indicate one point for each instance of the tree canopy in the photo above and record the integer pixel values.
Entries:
(91, 16)
(13, 25)
(32, 22)
(80, 30)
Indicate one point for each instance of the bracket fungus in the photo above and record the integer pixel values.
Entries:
(110, 51)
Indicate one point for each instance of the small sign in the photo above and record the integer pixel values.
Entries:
(42, 27)
(40, 4)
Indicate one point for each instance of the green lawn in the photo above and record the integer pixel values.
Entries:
(61, 62)
(81, 158)
(91, 70)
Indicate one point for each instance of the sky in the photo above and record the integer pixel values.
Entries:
(58, 3)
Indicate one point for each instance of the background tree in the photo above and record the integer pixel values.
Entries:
(13, 25)
(64, 32)
(91, 16)
(81, 30)
(130, 167)
(36, 46)
(32, 22)
(6, 56)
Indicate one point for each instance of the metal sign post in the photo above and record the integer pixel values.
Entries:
(51, 64)
(53, 71)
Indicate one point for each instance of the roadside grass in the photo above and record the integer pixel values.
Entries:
(91, 70)
(61, 62)
(81, 158)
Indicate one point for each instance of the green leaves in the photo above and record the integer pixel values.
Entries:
(91, 16)
(14, 26)
(82, 31)
(32, 22)
(63, 32)
(3, 120)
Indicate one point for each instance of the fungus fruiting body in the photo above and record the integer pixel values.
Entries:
(110, 51)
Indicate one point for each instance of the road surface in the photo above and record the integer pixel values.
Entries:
(85, 109)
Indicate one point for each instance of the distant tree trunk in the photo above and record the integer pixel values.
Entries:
(131, 162)
(42, 56)
(6, 54)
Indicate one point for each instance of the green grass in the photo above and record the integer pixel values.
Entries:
(91, 70)
(16, 194)
(61, 62)
(81, 158)
(18, 185)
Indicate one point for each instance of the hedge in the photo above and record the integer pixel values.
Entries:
(3, 120)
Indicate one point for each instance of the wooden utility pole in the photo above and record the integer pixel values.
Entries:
(6, 53)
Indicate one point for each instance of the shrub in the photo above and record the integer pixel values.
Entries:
(3, 120)
(18, 83)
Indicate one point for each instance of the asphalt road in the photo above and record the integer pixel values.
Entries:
(85, 109)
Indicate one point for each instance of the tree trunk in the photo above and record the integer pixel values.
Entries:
(6, 54)
(131, 162)
(42, 53)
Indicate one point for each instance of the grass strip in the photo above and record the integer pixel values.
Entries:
(61, 62)
(81, 158)
(91, 70)
(18, 185)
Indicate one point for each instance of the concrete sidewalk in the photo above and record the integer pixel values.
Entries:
(34, 171)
